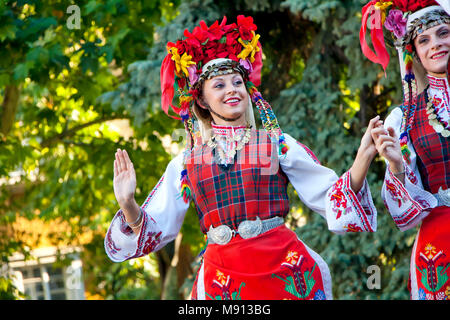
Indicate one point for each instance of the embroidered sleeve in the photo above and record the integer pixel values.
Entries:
(407, 203)
(163, 214)
(325, 193)
(348, 211)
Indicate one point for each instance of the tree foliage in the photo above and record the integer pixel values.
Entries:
(62, 87)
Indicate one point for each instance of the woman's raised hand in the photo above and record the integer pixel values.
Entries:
(367, 146)
(366, 153)
(388, 146)
(124, 179)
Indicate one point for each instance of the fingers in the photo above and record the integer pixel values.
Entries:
(382, 137)
(116, 169)
(384, 146)
(121, 163)
(372, 123)
(128, 162)
(376, 132)
(392, 133)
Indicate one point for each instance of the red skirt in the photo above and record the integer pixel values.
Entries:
(275, 265)
(430, 261)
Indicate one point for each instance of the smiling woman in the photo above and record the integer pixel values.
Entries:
(226, 98)
(237, 177)
(415, 142)
(433, 48)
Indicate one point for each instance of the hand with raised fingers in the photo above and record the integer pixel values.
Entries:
(367, 146)
(388, 146)
(124, 179)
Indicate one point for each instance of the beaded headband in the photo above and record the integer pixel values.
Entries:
(418, 25)
(219, 67)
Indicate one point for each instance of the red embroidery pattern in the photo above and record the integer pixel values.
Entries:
(394, 192)
(113, 249)
(434, 274)
(353, 227)
(338, 199)
(223, 283)
(153, 240)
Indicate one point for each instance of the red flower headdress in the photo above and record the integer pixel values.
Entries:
(205, 52)
(183, 66)
(405, 19)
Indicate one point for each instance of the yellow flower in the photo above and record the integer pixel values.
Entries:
(447, 292)
(430, 250)
(292, 257)
(181, 63)
(220, 276)
(382, 5)
(250, 49)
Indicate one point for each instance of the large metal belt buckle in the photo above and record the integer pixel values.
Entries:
(250, 228)
(444, 196)
(247, 229)
(220, 235)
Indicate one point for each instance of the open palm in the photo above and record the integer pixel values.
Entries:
(124, 178)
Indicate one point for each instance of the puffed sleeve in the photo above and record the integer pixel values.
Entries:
(327, 194)
(407, 203)
(163, 214)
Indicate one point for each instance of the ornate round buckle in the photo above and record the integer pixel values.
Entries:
(220, 235)
(250, 228)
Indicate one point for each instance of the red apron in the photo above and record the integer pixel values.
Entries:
(431, 258)
(275, 265)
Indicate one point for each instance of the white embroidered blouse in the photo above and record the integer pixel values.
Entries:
(410, 203)
(318, 187)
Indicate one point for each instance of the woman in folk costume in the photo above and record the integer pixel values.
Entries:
(415, 137)
(237, 177)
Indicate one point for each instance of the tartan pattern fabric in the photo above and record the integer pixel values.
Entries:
(254, 186)
(433, 150)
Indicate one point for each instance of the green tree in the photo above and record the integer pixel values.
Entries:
(55, 137)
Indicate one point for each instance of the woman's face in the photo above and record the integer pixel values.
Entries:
(433, 49)
(227, 98)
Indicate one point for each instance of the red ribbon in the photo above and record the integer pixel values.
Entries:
(167, 86)
(255, 76)
(381, 55)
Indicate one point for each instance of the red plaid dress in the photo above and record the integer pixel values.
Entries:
(430, 267)
(242, 192)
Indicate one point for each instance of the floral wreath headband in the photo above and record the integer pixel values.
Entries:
(207, 52)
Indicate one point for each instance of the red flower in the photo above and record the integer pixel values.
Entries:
(181, 46)
(231, 37)
(198, 36)
(181, 82)
(245, 27)
(413, 5)
(214, 32)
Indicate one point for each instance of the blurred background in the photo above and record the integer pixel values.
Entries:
(79, 79)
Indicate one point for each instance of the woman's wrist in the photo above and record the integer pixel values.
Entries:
(397, 168)
(128, 204)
